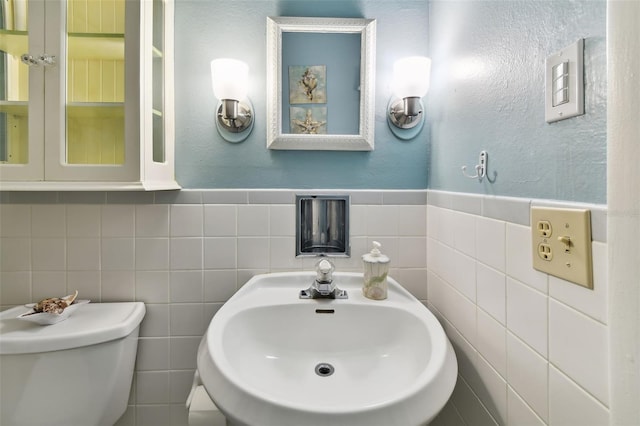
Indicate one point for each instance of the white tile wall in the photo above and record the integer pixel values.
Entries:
(493, 392)
(253, 220)
(527, 315)
(507, 322)
(492, 292)
(83, 254)
(569, 404)
(577, 344)
(118, 221)
(47, 254)
(591, 303)
(45, 283)
(48, 220)
(527, 375)
(152, 220)
(117, 254)
(220, 220)
(183, 261)
(490, 242)
(152, 254)
(491, 342)
(519, 259)
(539, 355)
(83, 221)
(16, 220)
(519, 413)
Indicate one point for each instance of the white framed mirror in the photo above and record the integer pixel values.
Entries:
(320, 83)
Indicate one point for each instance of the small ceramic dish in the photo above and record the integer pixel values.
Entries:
(48, 318)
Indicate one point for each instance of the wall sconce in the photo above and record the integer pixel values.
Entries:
(234, 117)
(410, 83)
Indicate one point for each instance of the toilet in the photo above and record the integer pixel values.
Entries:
(76, 372)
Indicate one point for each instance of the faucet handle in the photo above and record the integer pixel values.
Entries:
(325, 266)
(324, 270)
(323, 287)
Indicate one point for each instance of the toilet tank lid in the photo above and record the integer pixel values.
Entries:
(90, 324)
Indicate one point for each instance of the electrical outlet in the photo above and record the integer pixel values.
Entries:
(545, 252)
(544, 228)
(561, 243)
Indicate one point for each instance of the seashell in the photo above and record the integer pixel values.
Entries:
(55, 305)
(71, 298)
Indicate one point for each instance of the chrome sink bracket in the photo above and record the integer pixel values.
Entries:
(340, 294)
(312, 293)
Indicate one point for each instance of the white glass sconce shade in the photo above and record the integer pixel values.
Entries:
(234, 118)
(410, 83)
(411, 77)
(230, 78)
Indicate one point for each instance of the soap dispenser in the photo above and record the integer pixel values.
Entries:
(376, 268)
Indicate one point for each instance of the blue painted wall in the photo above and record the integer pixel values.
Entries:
(206, 30)
(487, 92)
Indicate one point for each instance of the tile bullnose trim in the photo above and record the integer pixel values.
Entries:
(513, 209)
(287, 196)
(217, 196)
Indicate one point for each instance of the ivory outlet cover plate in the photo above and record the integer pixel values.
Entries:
(561, 243)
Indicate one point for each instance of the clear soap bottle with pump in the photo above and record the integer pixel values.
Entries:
(376, 269)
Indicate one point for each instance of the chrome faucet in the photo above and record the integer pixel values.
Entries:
(323, 287)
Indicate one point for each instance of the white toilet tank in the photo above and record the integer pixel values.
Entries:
(77, 372)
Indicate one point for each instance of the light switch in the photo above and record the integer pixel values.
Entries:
(564, 89)
(560, 97)
(561, 243)
(560, 84)
(560, 70)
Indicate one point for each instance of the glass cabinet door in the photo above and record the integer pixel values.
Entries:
(14, 84)
(20, 154)
(95, 81)
(157, 81)
(86, 90)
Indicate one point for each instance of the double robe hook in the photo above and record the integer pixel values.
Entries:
(481, 169)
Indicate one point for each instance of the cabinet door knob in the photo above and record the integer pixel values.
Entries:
(34, 61)
(47, 60)
(29, 60)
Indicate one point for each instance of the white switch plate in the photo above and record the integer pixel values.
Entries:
(574, 54)
(561, 243)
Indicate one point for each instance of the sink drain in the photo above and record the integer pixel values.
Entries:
(324, 370)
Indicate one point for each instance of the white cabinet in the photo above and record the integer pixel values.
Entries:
(86, 95)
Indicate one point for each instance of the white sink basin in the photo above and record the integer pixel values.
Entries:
(269, 358)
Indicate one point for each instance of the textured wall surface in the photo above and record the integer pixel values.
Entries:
(487, 92)
(206, 30)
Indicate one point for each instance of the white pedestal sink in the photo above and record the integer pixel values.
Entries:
(269, 358)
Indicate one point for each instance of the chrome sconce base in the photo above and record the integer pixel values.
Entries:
(234, 120)
(405, 126)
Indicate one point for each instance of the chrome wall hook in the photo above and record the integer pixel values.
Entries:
(481, 168)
